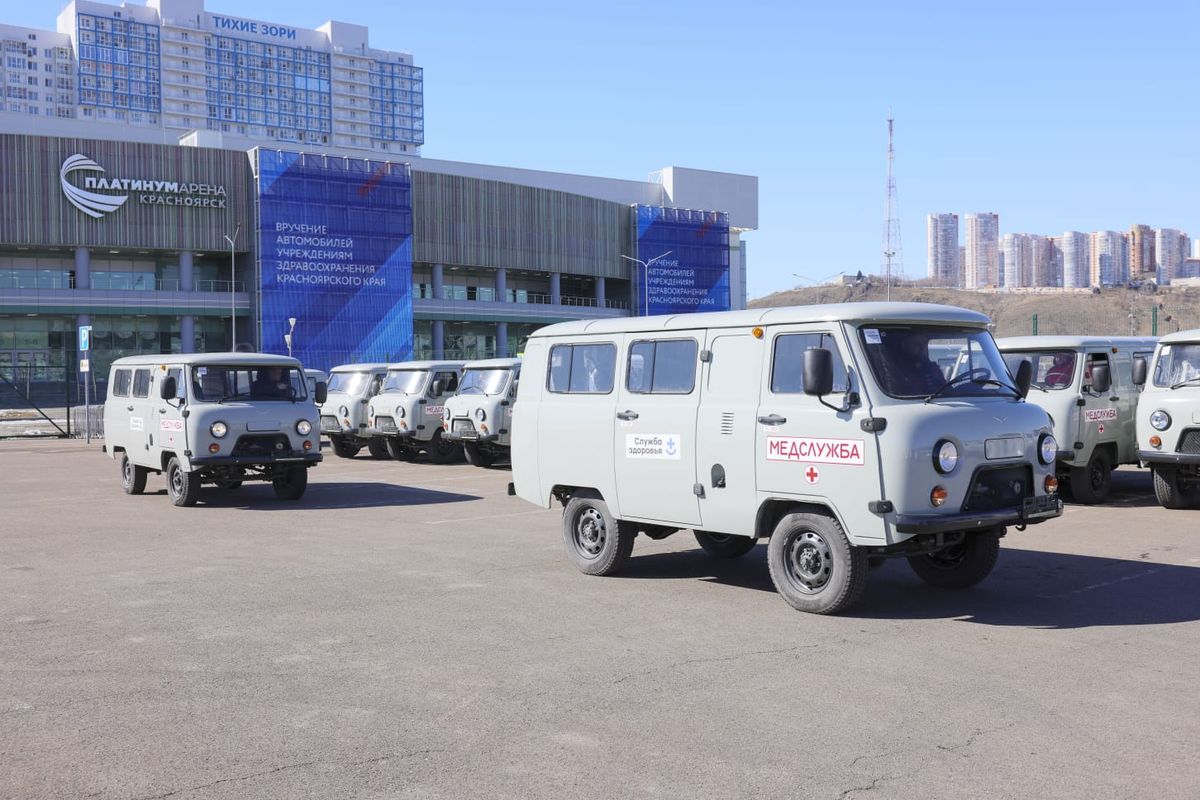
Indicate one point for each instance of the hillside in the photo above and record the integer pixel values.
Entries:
(1107, 313)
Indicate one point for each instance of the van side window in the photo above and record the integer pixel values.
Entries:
(141, 383)
(1092, 360)
(121, 381)
(787, 371)
(177, 374)
(582, 368)
(662, 367)
(449, 381)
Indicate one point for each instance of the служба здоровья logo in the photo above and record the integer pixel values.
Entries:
(151, 191)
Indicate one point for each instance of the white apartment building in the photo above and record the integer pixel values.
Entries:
(983, 251)
(1076, 260)
(944, 266)
(1109, 259)
(1170, 249)
(1016, 252)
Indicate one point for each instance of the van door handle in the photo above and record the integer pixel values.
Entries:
(772, 419)
(627, 415)
(129, 408)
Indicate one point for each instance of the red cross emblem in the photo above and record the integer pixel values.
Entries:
(1101, 427)
(812, 474)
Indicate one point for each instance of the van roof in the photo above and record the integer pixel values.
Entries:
(493, 363)
(207, 359)
(426, 365)
(779, 315)
(1072, 342)
(1182, 336)
(371, 367)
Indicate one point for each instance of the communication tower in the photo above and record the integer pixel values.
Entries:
(893, 251)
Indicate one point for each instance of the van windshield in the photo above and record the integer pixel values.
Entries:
(926, 361)
(1052, 369)
(405, 381)
(216, 384)
(1178, 365)
(483, 381)
(347, 382)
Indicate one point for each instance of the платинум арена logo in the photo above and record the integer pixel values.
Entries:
(90, 203)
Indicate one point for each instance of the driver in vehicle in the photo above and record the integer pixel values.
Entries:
(915, 373)
(271, 383)
(1059, 374)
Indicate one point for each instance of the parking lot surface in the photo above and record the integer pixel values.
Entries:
(409, 631)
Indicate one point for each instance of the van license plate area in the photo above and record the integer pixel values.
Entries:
(329, 423)
(1009, 447)
(463, 427)
(1041, 506)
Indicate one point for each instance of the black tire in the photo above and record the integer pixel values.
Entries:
(133, 477)
(1092, 484)
(596, 543)
(343, 448)
(445, 451)
(813, 565)
(182, 487)
(1166, 487)
(398, 451)
(724, 545)
(292, 485)
(477, 456)
(377, 447)
(959, 566)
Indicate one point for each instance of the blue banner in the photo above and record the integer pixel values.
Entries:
(687, 260)
(335, 253)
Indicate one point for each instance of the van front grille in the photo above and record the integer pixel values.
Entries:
(997, 489)
(385, 424)
(1189, 442)
(262, 445)
(463, 427)
(328, 421)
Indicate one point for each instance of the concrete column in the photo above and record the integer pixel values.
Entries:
(437, 284)
(187, 281)
(83, 269)
(187, 333)
(555, 288)
(600, 299)
(502, 285)
(501, 340)
(439, 338)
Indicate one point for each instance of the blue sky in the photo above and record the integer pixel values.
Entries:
(1057, 116)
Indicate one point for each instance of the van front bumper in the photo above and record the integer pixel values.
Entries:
(294, 457)
(1156, 457)
(469, 437)
(1036, 510)
(391, 433)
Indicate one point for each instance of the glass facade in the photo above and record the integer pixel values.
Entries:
(119, 70)
(397, 102)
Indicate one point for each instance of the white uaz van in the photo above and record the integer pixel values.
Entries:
(344, 412)
(831, 430)
(480, 414)
(211, 418)
(407, 412)
(1085, 383)
(1168, 418)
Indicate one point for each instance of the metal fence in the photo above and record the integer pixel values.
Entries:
(40, 400)
(1140, 320)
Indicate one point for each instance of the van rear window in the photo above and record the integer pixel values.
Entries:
(662, 367)
(121, 382)
(141, 383)
(582, 368)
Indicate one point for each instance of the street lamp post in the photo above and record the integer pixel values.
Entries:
(232, 287)
(287, 337)
(646, 270)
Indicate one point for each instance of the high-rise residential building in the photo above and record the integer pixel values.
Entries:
(942, 247)
(1054, 245)
(167, 68)
(1141, 252)
(1169, 250)
(982, 266)
(1076, 260)
(1109, 261)
(1016, 252)
(1041, 261)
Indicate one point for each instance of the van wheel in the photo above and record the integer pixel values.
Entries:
(399, 451)
(961, 565)
(182, 487)
(292, 485)
(444, 451)
(133, 477)
(477, 456)
(377, 447)
(343, 448)
(1092, 484)
(813, 565)
(724, 545)
(596, 543)
(1166, 487)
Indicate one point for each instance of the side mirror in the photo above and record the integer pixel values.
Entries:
(1101, 380)
(321, 393)
(168, 390)
(437, 388)
(818, 372)
(1139, 371)
(1024, 377)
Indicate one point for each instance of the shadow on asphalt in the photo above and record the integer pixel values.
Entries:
(259, 496)
(1131, 488)
(1027, 589)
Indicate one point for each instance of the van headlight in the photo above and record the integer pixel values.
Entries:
(400, 412)
(945, 456)
(303, 427)
(1160, 420)
(343, 411)
(447, 413)
(218, 429)
(1047, 448)
(480, 414)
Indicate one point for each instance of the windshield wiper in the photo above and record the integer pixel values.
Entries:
(967, 376)
(471, 389)
(1185, 381)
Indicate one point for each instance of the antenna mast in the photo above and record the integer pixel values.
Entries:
(893, 251)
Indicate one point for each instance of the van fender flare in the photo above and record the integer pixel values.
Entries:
(773, 508)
